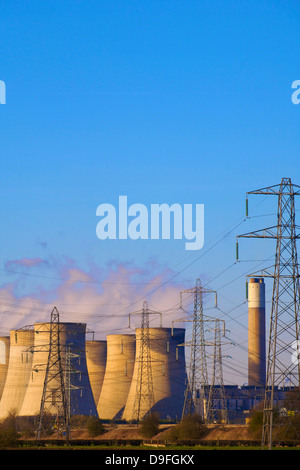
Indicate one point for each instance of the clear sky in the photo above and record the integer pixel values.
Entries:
(173, 101)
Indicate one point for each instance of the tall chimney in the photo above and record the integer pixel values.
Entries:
(256, 333)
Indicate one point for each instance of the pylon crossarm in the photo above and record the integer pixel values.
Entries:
(276, 190)
(190, 319)
(270, 272)
(263, 233)
(140, 312)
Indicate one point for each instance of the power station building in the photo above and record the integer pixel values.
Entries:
(104, 376)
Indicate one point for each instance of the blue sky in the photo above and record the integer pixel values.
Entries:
(162, 101)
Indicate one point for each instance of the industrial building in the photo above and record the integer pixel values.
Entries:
(104, 377)
(241, 400)
(103, 373)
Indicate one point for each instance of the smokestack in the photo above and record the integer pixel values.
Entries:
(256, 333)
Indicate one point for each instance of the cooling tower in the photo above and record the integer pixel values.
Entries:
(168, 373)
(256, 333)
(4, 357)
(73, 359)
(96, 352)
(118, 376)
(19, 370)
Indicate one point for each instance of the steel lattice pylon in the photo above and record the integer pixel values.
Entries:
(196, 394)
(54, 395)
(282, 370)
(144, 397)
(217, 407)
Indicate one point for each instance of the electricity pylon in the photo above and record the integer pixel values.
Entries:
(217, 405)
(196, 394)
(68, 372)
(54, 397)
(282, 370)
(144, 397)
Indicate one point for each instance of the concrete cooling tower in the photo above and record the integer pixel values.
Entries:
(73, 359)
(4, 357)
(118, 376)
(96, 352)
(256, 333)
(168, 373)
(19, 371)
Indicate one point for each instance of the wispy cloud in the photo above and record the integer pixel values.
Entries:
(25, 262)
(101, 297)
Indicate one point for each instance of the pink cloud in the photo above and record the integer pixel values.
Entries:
(25, 262)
